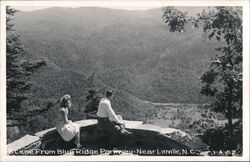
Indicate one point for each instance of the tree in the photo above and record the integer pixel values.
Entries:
(223, 80)
(18, 75)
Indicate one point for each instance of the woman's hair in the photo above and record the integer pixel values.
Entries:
(64, 100)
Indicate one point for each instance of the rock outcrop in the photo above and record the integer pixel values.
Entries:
(146, 139)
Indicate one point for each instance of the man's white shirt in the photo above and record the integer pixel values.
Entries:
(105, 110)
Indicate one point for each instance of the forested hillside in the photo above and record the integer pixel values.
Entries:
(131, 52)
(127, 50)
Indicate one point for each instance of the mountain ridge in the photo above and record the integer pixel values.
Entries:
(130, 52)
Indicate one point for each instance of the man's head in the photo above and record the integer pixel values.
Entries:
(109, 94)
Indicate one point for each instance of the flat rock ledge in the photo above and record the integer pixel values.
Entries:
(144, 137)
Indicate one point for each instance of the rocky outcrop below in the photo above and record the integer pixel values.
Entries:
(146, 140)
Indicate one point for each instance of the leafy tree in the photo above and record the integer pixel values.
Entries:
(93, 100)
(18, 74)
(223, 79)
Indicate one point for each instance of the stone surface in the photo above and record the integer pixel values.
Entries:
(146, 136)
(22, 143)
(82, 123)
(42, 133)
(132, 124)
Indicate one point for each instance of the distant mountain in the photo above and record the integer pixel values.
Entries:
(132, 51)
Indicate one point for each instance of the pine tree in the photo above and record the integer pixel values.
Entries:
(18, 72)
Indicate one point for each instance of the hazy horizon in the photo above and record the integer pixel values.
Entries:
(34, 8)
(191, 10)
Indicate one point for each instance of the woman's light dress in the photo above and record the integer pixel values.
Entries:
(67, 131)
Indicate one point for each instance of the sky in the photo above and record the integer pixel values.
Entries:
(33, 8)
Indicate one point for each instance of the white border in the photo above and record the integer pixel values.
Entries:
(147, 3)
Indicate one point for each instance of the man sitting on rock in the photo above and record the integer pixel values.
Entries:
(107, 119)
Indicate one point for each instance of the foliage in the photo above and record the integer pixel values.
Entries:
(192, 118)
(158, 71)
(93, 99)
(223, 80)
(77, 86)
(18, 69)
(201, 125)
(18, 74)
(175, 19)
(132, 66)
(214, 138)
(219, 141)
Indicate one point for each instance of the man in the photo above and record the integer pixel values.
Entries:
(107, 119)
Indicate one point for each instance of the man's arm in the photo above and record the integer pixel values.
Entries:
(111, 113)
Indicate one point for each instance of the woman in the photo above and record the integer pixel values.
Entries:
(65, 127)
